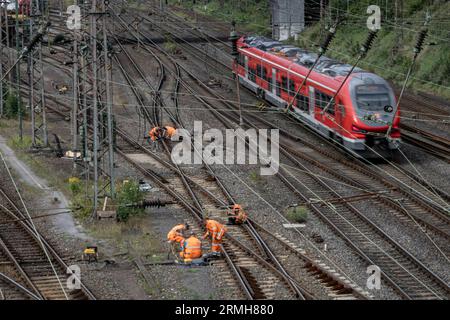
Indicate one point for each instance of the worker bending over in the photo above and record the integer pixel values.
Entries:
(236, 215)
(191, 248)
(216, 231)
(176, 235)
(158, 133)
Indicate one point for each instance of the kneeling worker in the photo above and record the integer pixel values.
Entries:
(236, 215)
(191, 248)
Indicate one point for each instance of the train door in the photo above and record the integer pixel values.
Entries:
(246, 66)
(311, 101)
(340, 116)
(274, 81)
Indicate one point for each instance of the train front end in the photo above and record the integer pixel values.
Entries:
(374, 123)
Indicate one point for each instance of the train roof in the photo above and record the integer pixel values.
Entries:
(300, 56)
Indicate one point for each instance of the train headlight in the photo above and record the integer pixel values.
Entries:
(388, 109)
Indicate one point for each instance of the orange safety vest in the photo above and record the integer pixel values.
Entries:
(192, 248)
(170, 131)
(215, 229)
(153, 134)
(175, 235)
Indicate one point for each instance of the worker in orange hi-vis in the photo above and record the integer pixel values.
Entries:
(169, 132)
(236, 215)
(191, 248)
(159, 133)
(216, 231)
(176, 236)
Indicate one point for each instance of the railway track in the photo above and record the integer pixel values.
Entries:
(338, 288)
(419, 293)
(245, 267)
(30, 268)
(235, 257)
(407, 290)
(363, 177)
(271, 124)
(430, 142)
(425, 107)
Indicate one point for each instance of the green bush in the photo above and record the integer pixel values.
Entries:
(18, 144)
(253, 15)
(170, 46)
(81, 207)
(128, 194)
(13, 105)
(297, 214)
(74, 185)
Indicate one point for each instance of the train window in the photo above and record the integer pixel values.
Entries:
(302, 102)
(291, 87)
(372, 102)
(251, 74)
(330, 109)
(322, 101)
(319, 102)
(258, 70)
(284, 83)
(278, 87)
(264, 74)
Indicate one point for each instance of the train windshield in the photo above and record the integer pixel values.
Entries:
(372, 97)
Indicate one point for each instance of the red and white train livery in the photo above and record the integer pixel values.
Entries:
(361, 113)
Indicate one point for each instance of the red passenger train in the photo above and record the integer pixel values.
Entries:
(361, 113)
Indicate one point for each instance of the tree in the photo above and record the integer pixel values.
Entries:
(12, 105)
(128, 194)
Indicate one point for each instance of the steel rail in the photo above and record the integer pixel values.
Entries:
(17, 285)
(361, 162)
(293, 286)
(388, 277)
(26, 225)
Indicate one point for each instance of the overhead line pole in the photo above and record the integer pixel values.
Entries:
(94, 102)
(35, 70)
(108, 71)
(75, 96)
(18, 56)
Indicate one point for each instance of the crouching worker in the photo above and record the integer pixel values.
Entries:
(176, 236)
(191, 248)
(236, 215)
(216, 231)
(159, 133)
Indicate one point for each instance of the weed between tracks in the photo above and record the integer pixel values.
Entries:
(297, 214)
